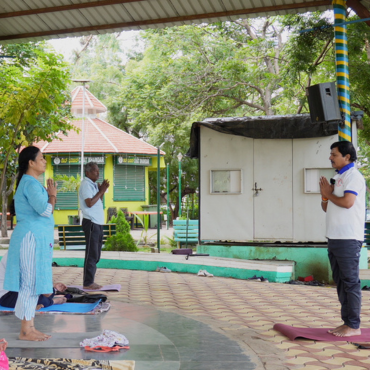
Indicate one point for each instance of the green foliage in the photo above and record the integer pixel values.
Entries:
(144, 237)
(69, 183)
(171, 242)
(122, 226)
(240, 68)
(33, 92)
(123, 240)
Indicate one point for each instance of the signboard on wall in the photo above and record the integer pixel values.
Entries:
(60, 161)
(133, 160)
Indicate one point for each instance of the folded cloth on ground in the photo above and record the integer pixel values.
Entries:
(87, 298)
(108, 338)
(105, 349)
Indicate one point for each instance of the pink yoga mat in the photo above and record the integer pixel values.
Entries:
(319, 334)
(116, 287)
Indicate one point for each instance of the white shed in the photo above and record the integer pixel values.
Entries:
(259, 178)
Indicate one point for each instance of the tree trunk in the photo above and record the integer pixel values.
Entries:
(4, 195)
(4, 221)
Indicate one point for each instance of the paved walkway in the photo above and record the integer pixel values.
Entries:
(244, 311)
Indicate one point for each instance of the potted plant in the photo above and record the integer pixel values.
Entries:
(145, 237)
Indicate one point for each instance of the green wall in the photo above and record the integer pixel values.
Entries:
(310, 260)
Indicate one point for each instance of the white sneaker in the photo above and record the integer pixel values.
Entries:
(204, 273)
(163, 269)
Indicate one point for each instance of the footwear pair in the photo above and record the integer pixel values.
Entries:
(314, 283)
(204, 273)
(163, 269)
(256, 278)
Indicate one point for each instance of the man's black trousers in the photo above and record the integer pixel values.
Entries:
(344, 257)
(94, 242)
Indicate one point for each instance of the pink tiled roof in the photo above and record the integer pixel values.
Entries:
(90, 100)
(100, 137)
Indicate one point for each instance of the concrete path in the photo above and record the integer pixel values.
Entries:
(244, 311)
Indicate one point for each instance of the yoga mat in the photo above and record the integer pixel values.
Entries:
(116, 287)
(320, 334)
(57, 340)
(66, 363)
(65, 307)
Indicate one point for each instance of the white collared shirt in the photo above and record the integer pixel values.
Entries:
(88, 189)
(343, 223)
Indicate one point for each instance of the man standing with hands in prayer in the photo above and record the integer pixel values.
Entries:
(91, 195)
(343, 200)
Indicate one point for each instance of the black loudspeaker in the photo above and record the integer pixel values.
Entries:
(323, 102)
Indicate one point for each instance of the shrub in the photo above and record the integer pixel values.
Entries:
(123, 240)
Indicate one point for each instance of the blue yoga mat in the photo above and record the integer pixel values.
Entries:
(65, 307)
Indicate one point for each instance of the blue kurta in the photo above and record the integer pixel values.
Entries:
(31, 201)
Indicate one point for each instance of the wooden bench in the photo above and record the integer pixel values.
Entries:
(185, 231)
(73, 237)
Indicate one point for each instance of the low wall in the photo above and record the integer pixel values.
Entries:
(309, 260)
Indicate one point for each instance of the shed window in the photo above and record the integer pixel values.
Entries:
(129, 183)
(312, 177)
(226, 181)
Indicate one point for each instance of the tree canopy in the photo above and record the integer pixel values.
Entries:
(33, 95)
(241, 68)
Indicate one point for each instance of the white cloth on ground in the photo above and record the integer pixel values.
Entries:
(108, 338)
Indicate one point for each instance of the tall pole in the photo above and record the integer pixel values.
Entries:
(179, 157)
(158, 200)
(168, 196)
(83, 82)
(83, 131)
(341, 63)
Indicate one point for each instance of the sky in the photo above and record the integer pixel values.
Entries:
(67, 45)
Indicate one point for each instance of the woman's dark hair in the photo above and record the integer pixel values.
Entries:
(25, 156)
(344, 148)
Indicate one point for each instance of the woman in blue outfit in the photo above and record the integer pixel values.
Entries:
(29, 270)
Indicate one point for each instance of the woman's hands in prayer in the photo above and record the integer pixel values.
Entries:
(51, 188)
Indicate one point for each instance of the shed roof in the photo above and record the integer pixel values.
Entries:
(100, 137)
(40, 20)
(293, 126)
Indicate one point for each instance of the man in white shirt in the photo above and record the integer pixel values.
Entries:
(91, 196)
(343, 200)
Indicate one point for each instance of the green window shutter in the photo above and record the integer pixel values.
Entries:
(129, 183)
(69, 199)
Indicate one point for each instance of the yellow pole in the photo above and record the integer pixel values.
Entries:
(342, 71)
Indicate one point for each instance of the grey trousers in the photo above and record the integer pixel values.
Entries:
(94, 241)
(344, 257)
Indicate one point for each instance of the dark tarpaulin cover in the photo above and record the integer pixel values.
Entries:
(296, 126)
